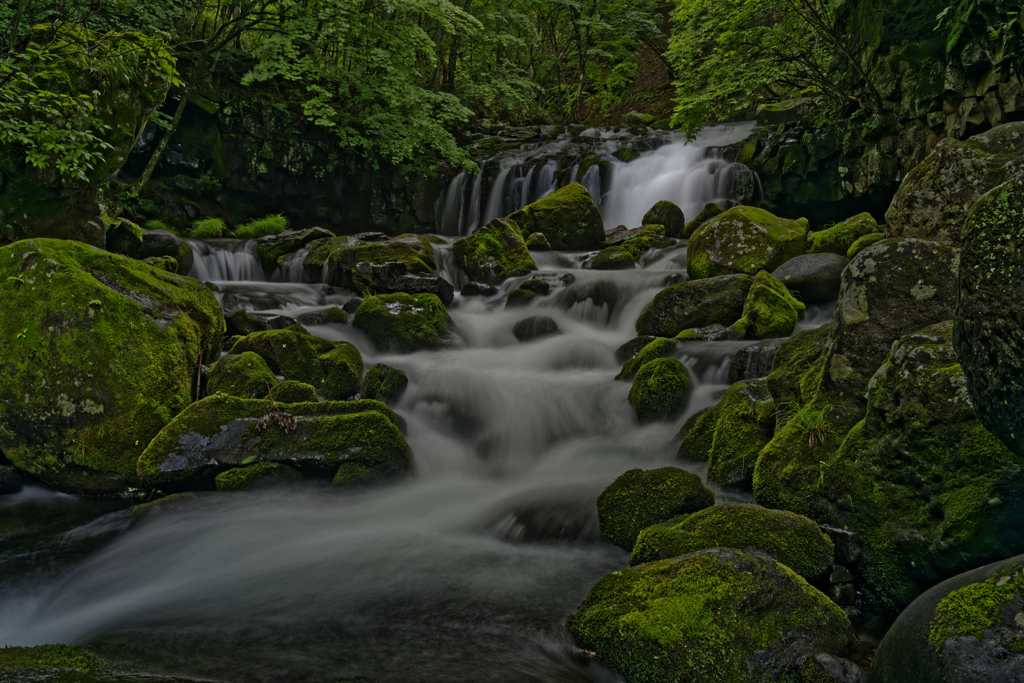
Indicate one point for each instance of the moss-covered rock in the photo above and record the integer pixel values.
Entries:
(744, 424)
(221, 432)
(125, 238)
(709, 211)
(245, 375)
(334, 261)
(352, 474)
(710, 333)
(639, 498)
(293, 391)
(519, 297)
(64, 657)
(743, 240)
(840, 237)
(613, 258)
(862, 243)
(162, 243)
(934, 198)
(329, 316)
(698, 435)
(270, 249)
(162, 262)
(384, 383)
(695, 303)
(659, 347)
(404, 322)
(718, 615)
(769, 310)
(98, 353)
(541, 287)
(660, 389)
(243, 323)
(335, 369)
(494, 253)
(814, 277)
(260, 475)
(667, 214)
(537, 241)
(632, 347)
(568, 217)
(791, 539)
(989, 333)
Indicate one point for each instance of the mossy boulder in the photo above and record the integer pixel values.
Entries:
(568, 217)
(99, 353)
(242, 323)
(245, 375)
(660, 389)
(793, 540)
(668, 214)
(967, 628)
(744, 424)
(935, 197)
(260, 475)
(815, 278)
(125, 238)
(719, 615)
(334, 261)
(335, 369)
(537, 241)
(328, 316)
(404, 322)
(384, 383)
(698, 435)
(541, 287)
(613, 258)
(271, 249)
(840, 237)
(989, 333)
(769, 310)
(162, 243)
(863, 243)
(709, 211)
(293, 391)
(639, 498)
(743, 240)
(352, 474)
(659, 347)
(62, 657)
(632, 347)
(519, 297)
(494, 253)
(221, 432)
(695, 303)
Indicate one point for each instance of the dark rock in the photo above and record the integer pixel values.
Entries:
(536, 241)
(10, 480)
(271, 248)
(164, 243)
(384, 383)
(815, 277)
(621, 234)
(753, 361)
(631, 348)
(125, 238)
(668, 214)
(371, 237)
(536, 286)
(352, 305)
(568, 217)
(292, 391)
(826, 668)
(695, 303)
(392, 277)
(494, 253)
(613, 258)
(535, 327)
(519, 297)
(478, 289)
(331, 316)
(847, 544)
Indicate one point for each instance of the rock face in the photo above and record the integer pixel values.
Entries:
(494, 253)
(271, 249)
(743, 240)
(404, 322)
(815, 277)
(668, 214)
(660, 389)
(963, 630)
(220, 432)
(638, 498)
(718, 614)
(568, 217)
(840, 237)
(695, 303)
(934, 198)
(989, 332)
(116, 343)
(793, 540)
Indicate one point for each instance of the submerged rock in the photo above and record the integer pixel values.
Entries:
(743, 240)
(494, 253)
(660, 389)
(535, 327)
(695, 303)
(404, 322)
(568, 217)
(814, 277)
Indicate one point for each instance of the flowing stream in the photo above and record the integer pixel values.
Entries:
(463, 571)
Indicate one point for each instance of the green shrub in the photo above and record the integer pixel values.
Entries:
(159, 225)
(207, 227)
(261, 227)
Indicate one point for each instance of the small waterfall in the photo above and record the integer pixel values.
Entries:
(452, 218)
(473, 217)
(291, 270)
(497, 199)
(222, 260)
(592, 181)
(546, 179)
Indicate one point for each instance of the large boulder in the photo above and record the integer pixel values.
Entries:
(695, 303)
(659, 347)
(568, 217)
(334, 261)
(815, 277)
(404, 322)
(660, 389)
(668, 214)
(989, 332)
(709, 211)
(272, 249)
(221, 432)
(98, 353)
(743, 240)
(934, 198)
(639, 498)
(494, 253)
(714, 615)
(769, 310)
(391, 277)
(966, 629)
(744, 424)
(245, 375)
(791, 539)
(840, 237)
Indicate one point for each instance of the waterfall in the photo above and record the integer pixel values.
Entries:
(220, 260)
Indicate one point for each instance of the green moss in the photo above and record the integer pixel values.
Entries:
(660, 389)
(977, 608)
(245, 375)
(494, 253)
(568, 217)
(793, 540)
(519, 297)
(537, 241)
(743, 239)
(260, 474)
(354, 474)
(165, 263)
(667, 215)
(658, 348)
(694, 304)
(841, 237)
(125, 238)
(384, 383)
(770, 310)
(335, 369)
(291, 391)
(334, 260)
(638, 498)
(862, 243)
(745, 423)
(614, 258)
(709, 211)
(404, 322)
(69, 657)
(698, 435)
(208, 227)
(261, 227)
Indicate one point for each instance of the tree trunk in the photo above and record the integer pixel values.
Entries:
(162, 145)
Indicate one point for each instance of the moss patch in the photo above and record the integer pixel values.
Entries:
(744, 424)
(384, 383)
(660, 389)
(245, 375)
(770, 310)
(494, 253)
(70, 657)
(568, 217)
(260, 474)
(978, 608)
(404, 322)
(841, 237)
(334, 369)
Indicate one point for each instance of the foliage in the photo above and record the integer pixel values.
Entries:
(261, 227)
(206, 228)
(997, 28)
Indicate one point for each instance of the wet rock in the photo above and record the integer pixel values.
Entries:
(163, 243)
(934, 198)
(709, 211)
(519, 297)
(660, 389)
(743, 240)
(718, 612)
(242, 322)
(695, 303)
(989, 332)
(768, 311)
(221, 432)
(793, 540)
(826, 668)
(620, 234)
(536, 286)
(334, 261)
(568, 217)
(613, 258)
(478, 289)
(330, 316)
(744, 424)
(658, 347)
(965, 629)
(535, 327)
(710, 333)
(754, 361)
(863, 243)
(404, 322)
(245, 375)
(293, 391)
(494, 253)
(815, 277)
(10, 480)
(125, 238)
(384, 383)
(116, 343)
(271, 248)
(537, 241)
(668, 214)
(639, 498)
(840, 237)
(631, 348)
(698, 435)
(392, 277)
(261, 475)
(352, 305)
